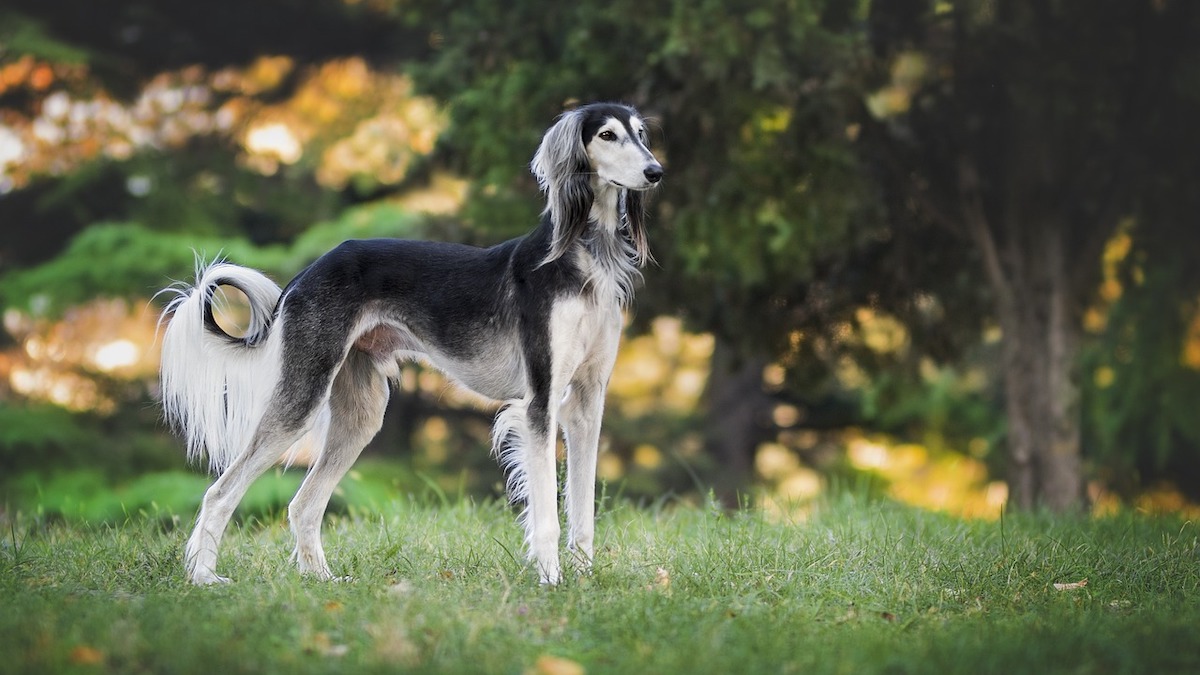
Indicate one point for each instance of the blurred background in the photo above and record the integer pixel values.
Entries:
(944, 252)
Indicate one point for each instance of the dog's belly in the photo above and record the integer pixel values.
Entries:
(498, 374)
(499, 378)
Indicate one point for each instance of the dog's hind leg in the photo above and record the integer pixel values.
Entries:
(356, 405)
(270, 441)
(298, 396)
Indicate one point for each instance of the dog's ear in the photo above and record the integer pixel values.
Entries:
(635, 227)
(563, 172)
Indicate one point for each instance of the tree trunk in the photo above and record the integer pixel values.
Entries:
(1036, 306)
(1041, 344)
(738, 410)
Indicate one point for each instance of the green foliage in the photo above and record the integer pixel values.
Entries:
(89, 495)
(128, 260)
(23, 34)
(135, 262)
(942, 409)
(762, 180)
(46, 437)
(1143, 421)
(790, 199)
(862, 587)
(1031, 131)
(86, 495)
(34, 428)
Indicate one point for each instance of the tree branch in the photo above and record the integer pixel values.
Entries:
(978, 228)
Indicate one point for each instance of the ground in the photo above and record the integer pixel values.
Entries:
(848, 586)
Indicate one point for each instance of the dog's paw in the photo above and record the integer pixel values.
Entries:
(208, 578)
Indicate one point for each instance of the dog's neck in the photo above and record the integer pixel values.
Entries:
(607, 256)
(606, 207)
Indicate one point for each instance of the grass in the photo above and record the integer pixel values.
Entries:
(861, 587)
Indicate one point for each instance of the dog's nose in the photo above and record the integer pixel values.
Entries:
(654, 173)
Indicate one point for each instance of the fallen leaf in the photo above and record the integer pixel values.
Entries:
(1071, 586)
(325, 647)
(887, 616)
(400, 588)
(662, 580)
(548, 664)
(393, 645)
(333, 606)
(84, 655)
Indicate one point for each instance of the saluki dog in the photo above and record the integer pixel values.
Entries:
(533, 322)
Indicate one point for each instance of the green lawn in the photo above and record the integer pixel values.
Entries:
(860, 587)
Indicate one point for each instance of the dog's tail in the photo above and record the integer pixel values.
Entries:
(215, 386)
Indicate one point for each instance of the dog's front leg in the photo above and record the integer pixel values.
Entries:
(581, 423)
(582, 411)
(541, 511)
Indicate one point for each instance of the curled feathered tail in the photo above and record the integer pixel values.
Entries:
(214, 385)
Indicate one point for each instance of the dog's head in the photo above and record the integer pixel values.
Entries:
(607, 142)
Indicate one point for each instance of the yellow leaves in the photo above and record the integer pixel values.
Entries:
(548, 664)
(662, 580)
(268, 72)
(774, 461)
(443, 195)
(647, 456)
(1116, 252)
(83, 655)
(775, 121)
(370, 120)
(27, 72)
(108, 336)
(274, 140)
(1166, 497)
(909, 70)
(881, 333)
(609, 466)
(1072, 586)
(387, 134)
(265, 74)
(666, 369)
(66, 131)
(321, 643)
(948, 482)
(393, 645)
(1191, 344)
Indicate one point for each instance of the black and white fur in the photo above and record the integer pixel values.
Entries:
(533, 322)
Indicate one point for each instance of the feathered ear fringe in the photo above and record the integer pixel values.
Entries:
(563, 172)
(635, 227)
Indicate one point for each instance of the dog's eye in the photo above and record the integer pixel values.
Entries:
(607, 135)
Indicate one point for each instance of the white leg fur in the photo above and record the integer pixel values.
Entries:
(571, 340)
(200, 555)
(357, 403)
(529, 460)
(582, 414)
(542, 530)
